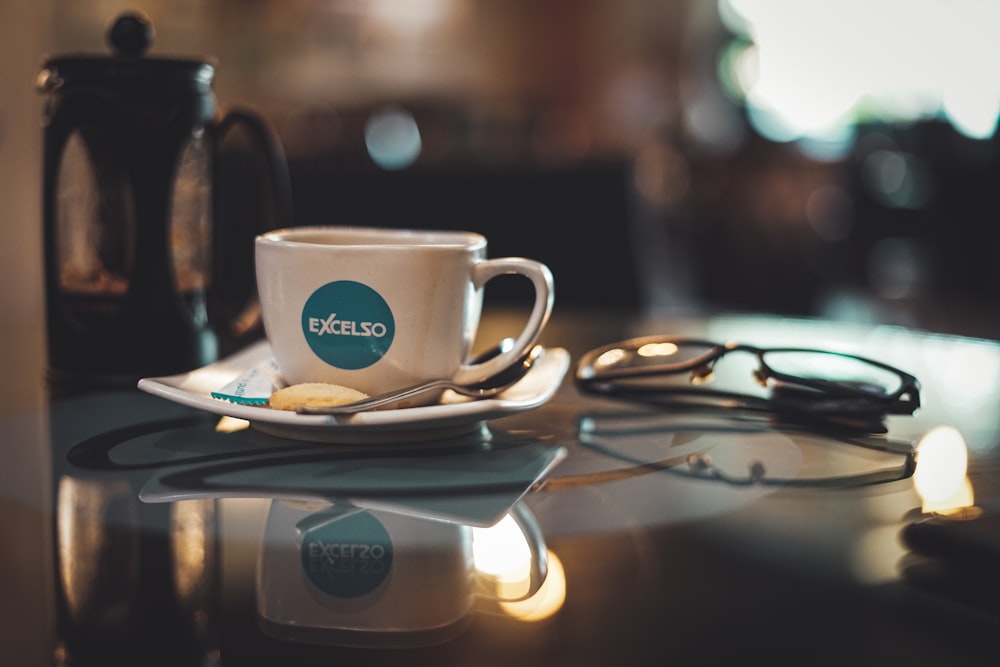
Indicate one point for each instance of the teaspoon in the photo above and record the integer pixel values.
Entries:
(485, 388)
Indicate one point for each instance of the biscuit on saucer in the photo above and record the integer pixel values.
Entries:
(315, 395)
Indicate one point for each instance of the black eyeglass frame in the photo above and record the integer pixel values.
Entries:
(904, 401)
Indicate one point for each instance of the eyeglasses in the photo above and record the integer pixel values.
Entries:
(816, 381)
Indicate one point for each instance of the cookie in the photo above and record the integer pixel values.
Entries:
(313, 394)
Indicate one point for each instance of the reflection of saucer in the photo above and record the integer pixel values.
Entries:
(453, 416)
(473, 483)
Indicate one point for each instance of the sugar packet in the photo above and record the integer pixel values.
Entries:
(254, 386)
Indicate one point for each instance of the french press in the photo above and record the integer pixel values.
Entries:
(137, 250)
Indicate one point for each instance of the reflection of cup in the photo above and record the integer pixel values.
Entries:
(363, 577)
(380, 309)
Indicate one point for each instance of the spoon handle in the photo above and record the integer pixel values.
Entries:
(379, 401)
(486, 388)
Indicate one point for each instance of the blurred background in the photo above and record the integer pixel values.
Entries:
(665, 157)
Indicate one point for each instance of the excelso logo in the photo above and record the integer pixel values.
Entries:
(348, 324)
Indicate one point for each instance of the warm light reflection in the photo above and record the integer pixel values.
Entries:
(190, 532)
(657, 350)
(98, 547)
(502, 553)
(547, 600)
(611, 357)
(231, 424)
(942, 461)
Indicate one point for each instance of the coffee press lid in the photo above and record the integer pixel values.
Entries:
(130, 36)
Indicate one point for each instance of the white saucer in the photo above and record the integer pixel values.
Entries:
(455, 415)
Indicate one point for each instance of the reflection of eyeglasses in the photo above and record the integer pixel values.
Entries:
(650, 443)
(832, 382)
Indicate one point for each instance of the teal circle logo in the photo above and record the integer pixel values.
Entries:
(348, 557)
(348, 324)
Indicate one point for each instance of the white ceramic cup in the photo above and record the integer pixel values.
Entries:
(379, 309)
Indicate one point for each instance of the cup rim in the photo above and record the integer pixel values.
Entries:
(372, 237)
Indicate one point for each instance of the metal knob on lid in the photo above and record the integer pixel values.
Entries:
(131, 34)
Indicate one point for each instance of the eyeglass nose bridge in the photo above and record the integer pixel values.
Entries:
(703, 374)
(705, 371)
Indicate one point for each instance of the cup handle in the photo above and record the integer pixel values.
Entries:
(267, 144)
(541, 278)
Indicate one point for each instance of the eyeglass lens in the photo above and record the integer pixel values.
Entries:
(834, 368)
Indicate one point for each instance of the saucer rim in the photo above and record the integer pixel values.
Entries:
(551, 368)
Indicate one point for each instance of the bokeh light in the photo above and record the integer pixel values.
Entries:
(548, 600)
(502, 553)
(810, 68)
(393, 138)
(942, 461)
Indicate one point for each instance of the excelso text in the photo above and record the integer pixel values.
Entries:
(331, 325)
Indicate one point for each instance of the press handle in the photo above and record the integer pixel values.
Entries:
(226, 230)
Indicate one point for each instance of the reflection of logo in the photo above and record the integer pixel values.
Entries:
(349, 557)
(348, 324)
